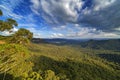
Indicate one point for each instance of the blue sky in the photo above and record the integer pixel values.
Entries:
(74, 19)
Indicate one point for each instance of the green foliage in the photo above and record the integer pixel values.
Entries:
(14, 59)
(80, 66)
(8, 24)
(50, 75)
(5, 26)
(24, 33)
(19, 40)
(50, 62)
(62, 76)
(31, 76)
(22, 36)
(47, 75)
(1, 13)
(11, 22)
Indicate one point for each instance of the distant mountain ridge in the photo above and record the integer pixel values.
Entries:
(58, 40)
(110, 44)
(107, 44)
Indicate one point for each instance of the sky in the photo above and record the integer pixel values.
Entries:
(72, 19)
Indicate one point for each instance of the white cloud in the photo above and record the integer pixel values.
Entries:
(28, 25)
(36, 32)
(32, 29)
(8, 13)
(62, 10)
(35, 3)
(79, 31)
(57, 35)
(14, 29)
(59, 27)
(92, 35)
(35, 6)
(8, 7)
(83, 32)
(99, 4)
(37, 35)
(118, 29)
(102, 14)
(7, 33)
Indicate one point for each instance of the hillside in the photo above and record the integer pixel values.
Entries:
(110, 44)
(75, 63)
(63, 62)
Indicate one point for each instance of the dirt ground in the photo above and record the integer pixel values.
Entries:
(2, 42)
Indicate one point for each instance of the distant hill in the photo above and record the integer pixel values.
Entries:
(107, 44)
(37, 40)
(110, 44)
(59, 41)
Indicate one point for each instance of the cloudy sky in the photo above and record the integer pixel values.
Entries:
(65, 18)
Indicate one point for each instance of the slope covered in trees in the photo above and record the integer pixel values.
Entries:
(46, 62)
